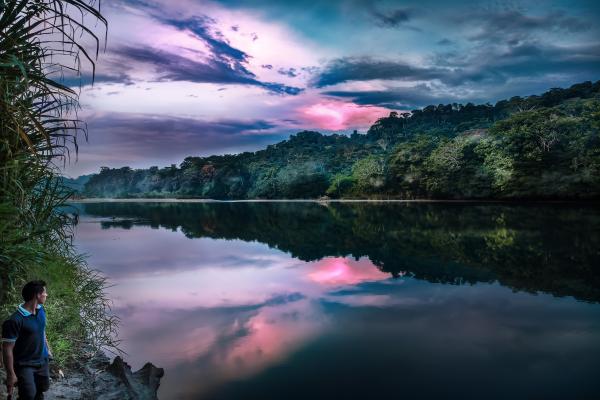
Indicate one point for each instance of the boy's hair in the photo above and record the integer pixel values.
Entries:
(32, 289)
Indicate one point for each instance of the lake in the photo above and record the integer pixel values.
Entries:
(308, 300)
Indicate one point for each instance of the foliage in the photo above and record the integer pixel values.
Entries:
(40, 43)
(535, 147)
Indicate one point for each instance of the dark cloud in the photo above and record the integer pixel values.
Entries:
(484, 73)
(401, 98)
(491, 64)
(408, 98)
(225, 58)
(366, 68)
(139, 140)
(176, 125)
(87, 79)
(391, 18)
(267, 66)
(512, 26)
(281, 88)
(529, 59)
(173, 67)
(385, 17)
(291, 72)
(499, 50)
(310, 70)
(201, 28)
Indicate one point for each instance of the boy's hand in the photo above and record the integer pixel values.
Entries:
(11, 381)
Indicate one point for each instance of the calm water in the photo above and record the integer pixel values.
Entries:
(365, 301)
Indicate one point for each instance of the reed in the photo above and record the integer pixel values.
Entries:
(42, 43)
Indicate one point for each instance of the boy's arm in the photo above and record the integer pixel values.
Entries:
(7, 355)
(48, 347)
(10, 334)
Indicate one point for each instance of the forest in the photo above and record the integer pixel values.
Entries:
(536, 147)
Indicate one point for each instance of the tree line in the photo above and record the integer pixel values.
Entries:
(535, 147)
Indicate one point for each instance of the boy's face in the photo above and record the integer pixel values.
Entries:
(41, 298)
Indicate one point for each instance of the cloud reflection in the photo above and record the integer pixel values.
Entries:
(223, 316)
(227, 303)
(344, 271)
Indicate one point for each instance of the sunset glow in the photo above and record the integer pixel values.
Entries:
(339, 115)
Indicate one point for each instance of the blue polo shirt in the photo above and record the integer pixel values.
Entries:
(28, 332)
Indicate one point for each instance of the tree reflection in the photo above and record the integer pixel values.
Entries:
(548, 248)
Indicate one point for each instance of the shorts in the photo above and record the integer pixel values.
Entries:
(32, 382)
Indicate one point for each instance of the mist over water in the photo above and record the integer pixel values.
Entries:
(354, 300)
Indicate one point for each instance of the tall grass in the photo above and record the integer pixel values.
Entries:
(41, 42)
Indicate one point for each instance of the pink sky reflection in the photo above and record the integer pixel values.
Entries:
(345, 271)
(272, 336)
(227, 302)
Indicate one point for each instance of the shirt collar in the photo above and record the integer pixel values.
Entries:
(24, 312)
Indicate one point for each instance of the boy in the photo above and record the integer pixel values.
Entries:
(25, 347)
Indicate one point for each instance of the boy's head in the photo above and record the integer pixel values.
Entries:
(35, 290)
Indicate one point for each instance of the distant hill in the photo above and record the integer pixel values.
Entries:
(78, 183)
(538, 147)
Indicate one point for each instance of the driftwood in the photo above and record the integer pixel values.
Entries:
(142, 384)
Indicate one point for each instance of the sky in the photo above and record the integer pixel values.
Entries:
(178, 78)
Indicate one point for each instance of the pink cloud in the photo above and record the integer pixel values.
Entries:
(338, 115)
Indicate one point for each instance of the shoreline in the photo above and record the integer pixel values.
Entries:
(176, 200)
(98, 377)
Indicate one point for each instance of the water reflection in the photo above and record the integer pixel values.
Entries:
(276, 300)
(555, 249)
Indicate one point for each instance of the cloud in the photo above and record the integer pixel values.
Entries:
(86, 79)
(172, 67)
(368, 68)
(176, 48)
(290, 72)
(511, 26)
(485, 73)
(201, 28)
(490, 64)
(398, 98)
(281, 88)
(392, 18)
(140, 140)
(445, 42)
(531, 59)
(176, 124)
(492, 52)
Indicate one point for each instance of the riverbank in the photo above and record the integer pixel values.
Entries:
(98, 378)
(176, 200)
